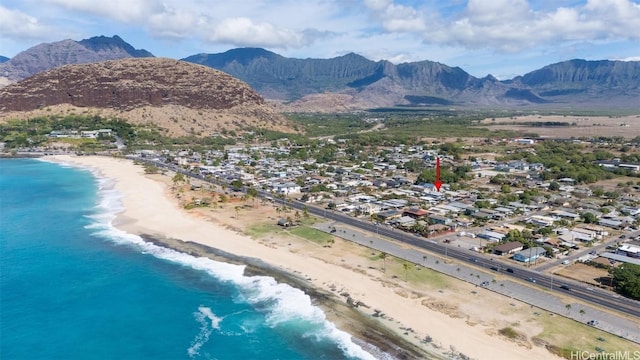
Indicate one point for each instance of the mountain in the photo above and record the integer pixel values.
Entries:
(3, 59)
(352, 81)
(163, 91)
(278, 77)
(576, 78)
(50, 55)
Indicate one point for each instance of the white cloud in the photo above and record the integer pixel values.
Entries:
(242, 31)
(126, 11)
(176, 24)
(451, 32)
(630, 58)
(15, 24)
(512, 25)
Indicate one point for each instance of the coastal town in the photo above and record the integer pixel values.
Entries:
(497, 207)
(494, 210)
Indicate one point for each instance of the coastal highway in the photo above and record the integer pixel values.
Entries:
(595, 296)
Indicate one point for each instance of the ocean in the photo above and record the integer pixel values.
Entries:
(74, 287)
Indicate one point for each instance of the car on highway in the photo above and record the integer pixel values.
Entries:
(473, 260)
(510, 270)
(531, 280)
(565, 287)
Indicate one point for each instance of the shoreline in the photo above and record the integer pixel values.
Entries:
(365, 330)
(150, 210)
(373, 337)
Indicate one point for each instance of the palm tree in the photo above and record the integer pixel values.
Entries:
(406, 271)
(568, 306)
(178, 178)
(383, 256)
(582, 312)
(237, 209)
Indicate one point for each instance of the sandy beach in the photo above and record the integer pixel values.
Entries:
(151, 210)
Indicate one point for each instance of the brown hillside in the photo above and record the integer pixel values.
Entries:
(172, 94)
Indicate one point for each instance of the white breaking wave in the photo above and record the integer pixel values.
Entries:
(215, 321)
(281, 302)
(205, 331)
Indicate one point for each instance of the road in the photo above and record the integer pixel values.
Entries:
(594, 296)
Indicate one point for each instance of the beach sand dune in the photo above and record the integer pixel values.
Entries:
(452, 323)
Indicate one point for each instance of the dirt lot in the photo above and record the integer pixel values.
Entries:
(582, 272)
(577, 126)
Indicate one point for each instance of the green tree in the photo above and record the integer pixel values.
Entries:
(383, 256)
(178, 178)
(253, 192)
(589, 218)
(237, 184)
(405, 265)
(627, 280)
(554, 186)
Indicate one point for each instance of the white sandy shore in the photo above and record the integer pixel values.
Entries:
(149, 210)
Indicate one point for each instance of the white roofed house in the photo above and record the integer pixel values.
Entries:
(286, 188)
(530, 254)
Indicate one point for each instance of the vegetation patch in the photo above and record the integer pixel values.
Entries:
(568, 335)
(510, 333)
(261, 230)
(415, 274)
(311, 234)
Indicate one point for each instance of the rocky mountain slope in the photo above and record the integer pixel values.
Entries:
(50, 55)
(127, 85)
(362, 83)
(353, 82)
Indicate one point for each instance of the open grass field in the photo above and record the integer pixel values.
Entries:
(568, 335)
(569, 126)
(583, 273)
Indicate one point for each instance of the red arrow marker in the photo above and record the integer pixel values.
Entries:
(437, 183)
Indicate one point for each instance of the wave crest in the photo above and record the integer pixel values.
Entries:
(283, 305)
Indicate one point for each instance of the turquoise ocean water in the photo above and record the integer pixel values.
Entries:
(74, 287)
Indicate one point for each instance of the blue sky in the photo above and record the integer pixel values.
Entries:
(504, 38)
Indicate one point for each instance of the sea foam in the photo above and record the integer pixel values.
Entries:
(282, 304)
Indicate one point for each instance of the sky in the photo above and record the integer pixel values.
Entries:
(504, 38)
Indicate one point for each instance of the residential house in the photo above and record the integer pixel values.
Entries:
(388, 215)
(530, 254)
(540, 220)
(508, 248)
(491, 235)
(611, 223)
(438, 219)
(404, 222)
(629, 250)
(286, 188)
(415, 213)
(571, 216)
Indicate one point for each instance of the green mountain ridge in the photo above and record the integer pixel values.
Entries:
(352, 81)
